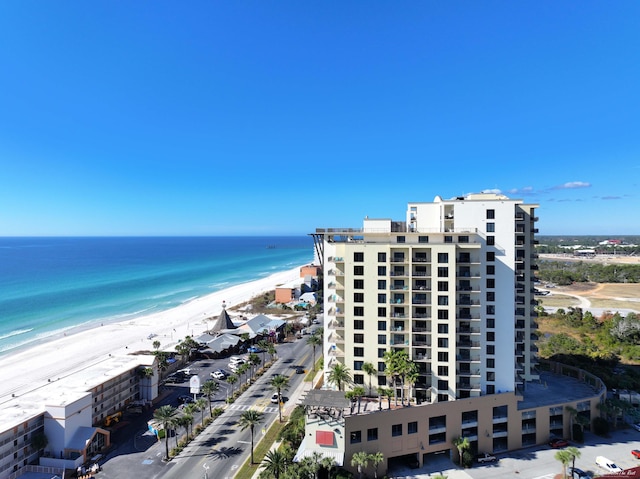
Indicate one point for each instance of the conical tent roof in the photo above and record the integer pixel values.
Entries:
(223, 322)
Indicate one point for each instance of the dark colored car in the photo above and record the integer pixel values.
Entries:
(299, 371)
(184, 399)
(558, 443)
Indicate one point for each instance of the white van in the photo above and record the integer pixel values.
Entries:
(607, 464)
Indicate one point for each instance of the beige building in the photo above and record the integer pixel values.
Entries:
(451, 286)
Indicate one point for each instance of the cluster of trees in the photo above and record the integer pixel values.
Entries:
(568, 272)
(594, 344)
(554, 244)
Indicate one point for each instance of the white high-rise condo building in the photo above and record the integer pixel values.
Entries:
(451, 285)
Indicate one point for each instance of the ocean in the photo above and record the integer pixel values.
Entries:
(50, 285)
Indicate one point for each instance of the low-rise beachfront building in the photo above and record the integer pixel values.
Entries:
(451, 289)
(59, 424)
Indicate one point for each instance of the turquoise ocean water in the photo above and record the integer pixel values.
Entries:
(49, 285)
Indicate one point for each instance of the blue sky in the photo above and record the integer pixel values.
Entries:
(251, 118)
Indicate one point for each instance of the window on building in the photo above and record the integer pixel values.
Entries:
(358, 338)
(382, 284)
(358, 284)
(443, 356)
(382, 312)
(443, 272)
(463, 239)
(382, 298)
(443, 257)
(358, 324)
(443, 385)
(491, 227)
(443, 342)
(357, 365)
(400, 239)
(372, 434)
(448, 239)
(443, 370)
(491, 283)
(491, 389)
(443, 314)
(382, 339)
(491, 214)
(358, 270)
(358, 379)
(381, 352)
(491, 240)
(491, 349)
(358, 351)
(356, 437)
(358, 257)
(382, 325)
(491, 376)
(423, 239)
(382, 270)
(491, 269)
(491, 295)
(358, 297)
(443, 328)
(412, 427)
(491, 336)
(491, 309)
(491, 256)
(443, 286)
(491, 363)
(382, 257)
(491, 323)
(396, 430)
(358, 311)
(382, 366)
(443, 300)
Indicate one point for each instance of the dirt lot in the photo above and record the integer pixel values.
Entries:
(611, 296)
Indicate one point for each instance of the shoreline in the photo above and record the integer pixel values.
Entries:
(60, 356)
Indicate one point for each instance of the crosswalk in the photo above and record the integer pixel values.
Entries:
(246, 407)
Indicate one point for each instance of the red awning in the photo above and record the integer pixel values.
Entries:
(324, 438)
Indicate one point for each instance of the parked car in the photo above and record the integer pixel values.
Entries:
(607, 464)
(575, 473)
(255, 349)
(485, 457)
(219, 374)
(635, 453)
(185, 399)
(558, 443)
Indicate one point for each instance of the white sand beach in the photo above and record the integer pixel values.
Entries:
(30, 369)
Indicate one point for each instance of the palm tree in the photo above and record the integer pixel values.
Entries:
(412, 377)
(370, 370)
(358, 392)
(361, 461)
(575, 454)
(280, 383)
(209, 389)
(271, 349)
(254, 360)
(392, 370)
(189, 410)
(340, 376)
(232, 380)
(572, 415)
(314, 340)
(564, 457)
(165, 414)
(376, 459)
(249, 419)
(275, 463)
(461, 444)
(201, 404)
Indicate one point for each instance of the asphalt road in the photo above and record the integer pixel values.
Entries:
(222, 448)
